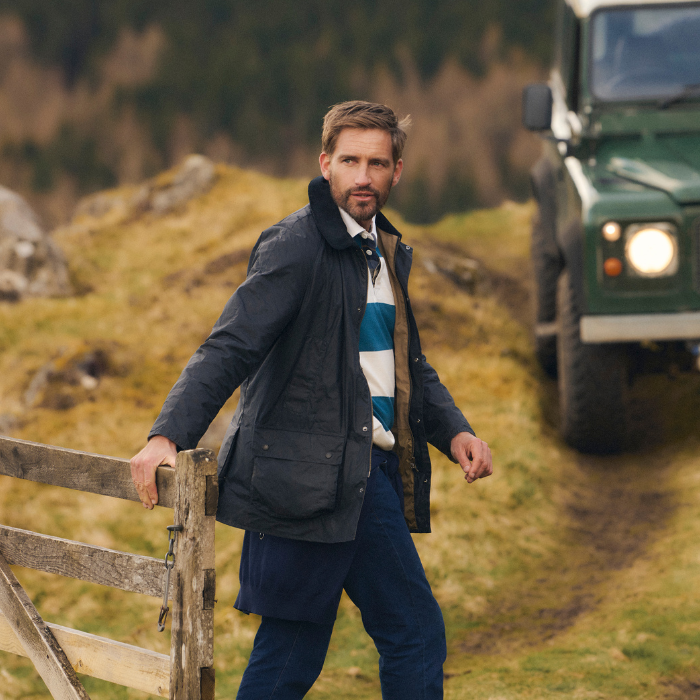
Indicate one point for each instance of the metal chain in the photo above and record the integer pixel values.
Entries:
(169, 564)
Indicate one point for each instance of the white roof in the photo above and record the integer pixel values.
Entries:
(583, 8)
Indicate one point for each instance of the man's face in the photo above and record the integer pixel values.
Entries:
(361, 172)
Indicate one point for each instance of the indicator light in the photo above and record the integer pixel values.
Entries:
(612, 267)
(612, 231)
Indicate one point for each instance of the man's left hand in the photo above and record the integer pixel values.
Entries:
(473, 455)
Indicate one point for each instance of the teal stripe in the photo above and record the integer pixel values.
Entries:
(377, 329)
(383, 409)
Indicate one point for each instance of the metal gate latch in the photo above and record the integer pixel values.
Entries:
(169, 565)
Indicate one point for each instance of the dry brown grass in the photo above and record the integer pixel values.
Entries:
(559, 576)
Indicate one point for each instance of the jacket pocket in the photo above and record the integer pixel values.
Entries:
(296, 475)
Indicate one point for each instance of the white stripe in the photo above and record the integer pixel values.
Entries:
(378, 368)
(384, 439)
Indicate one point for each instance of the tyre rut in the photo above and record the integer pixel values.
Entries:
(611, 510)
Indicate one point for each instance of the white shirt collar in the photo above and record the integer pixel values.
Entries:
(354, 228)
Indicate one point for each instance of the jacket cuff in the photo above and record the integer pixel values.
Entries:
(164, 432)
(448, 433)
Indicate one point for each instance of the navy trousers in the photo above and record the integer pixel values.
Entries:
(384, 577)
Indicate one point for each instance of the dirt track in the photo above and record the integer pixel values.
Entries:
(612, 508)
(608, 520)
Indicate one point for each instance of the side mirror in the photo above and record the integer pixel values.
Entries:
(537, 107)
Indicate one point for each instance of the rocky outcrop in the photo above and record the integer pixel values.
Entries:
(194, 177)
(31, 264)
(161, 195)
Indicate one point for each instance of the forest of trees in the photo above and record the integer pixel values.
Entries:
(262, 71)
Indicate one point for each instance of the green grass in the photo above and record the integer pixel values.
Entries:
(562, 576)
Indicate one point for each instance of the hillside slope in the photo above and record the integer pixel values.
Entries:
(560, 576)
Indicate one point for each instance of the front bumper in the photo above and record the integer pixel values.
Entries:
(637, 327)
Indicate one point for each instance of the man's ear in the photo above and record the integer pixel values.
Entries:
(324, 161)
(397, 172)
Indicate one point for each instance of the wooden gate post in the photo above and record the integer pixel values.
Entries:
(192, 645)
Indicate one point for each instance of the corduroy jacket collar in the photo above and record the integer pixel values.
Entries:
(328, 219)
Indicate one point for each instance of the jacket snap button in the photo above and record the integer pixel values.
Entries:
(416, 360)
(361, 490)
(417, 420)
(364, 429)
(328, 455)
(266, 447)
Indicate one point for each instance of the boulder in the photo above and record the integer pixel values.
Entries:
(31, 264)
(160, 195)
(194, 177)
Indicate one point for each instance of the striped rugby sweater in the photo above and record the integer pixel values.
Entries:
(377, 341)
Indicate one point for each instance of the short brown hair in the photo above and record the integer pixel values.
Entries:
(358, 114)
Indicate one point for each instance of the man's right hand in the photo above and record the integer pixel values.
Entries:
(159, 450)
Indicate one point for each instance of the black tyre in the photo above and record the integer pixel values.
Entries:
(593, 383)
(546, 272)
(546, 265)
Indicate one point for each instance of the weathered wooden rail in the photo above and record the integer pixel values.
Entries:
(191, 490)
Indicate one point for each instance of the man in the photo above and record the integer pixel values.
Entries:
(325, 464)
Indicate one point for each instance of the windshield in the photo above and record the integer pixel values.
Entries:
(645, 53)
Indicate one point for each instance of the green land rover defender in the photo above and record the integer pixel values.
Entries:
(616, 238)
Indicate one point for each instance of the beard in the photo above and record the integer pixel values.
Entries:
(360, 211)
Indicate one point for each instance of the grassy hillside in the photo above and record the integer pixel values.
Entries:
(559, 577)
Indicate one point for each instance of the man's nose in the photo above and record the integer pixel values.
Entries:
(362, 177)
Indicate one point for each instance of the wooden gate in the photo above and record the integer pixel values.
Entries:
(58, 652)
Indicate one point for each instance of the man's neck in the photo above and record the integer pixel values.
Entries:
(353, 225)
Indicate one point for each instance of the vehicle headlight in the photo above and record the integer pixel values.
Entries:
(651, 249)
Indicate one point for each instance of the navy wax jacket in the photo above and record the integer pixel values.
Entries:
(296, 456)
